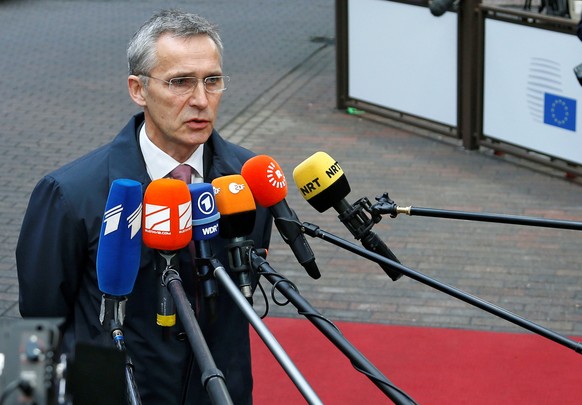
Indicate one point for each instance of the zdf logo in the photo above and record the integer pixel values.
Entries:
(236, 188)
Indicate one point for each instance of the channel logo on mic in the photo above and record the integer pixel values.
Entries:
(112, 218)
(275, 176)
(158, 218)
(235, 188)
(204, 212)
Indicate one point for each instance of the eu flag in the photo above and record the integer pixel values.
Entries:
(560, 111)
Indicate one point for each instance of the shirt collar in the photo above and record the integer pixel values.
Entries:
(159, 163)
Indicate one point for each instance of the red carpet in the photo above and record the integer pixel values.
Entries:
(433, 366)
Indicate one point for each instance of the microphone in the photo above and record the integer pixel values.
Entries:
(204, 227)
(269, 187)
(322, 182)
(167, 228)
(119, 249)
(439, 7)
(237, 208)
(117, 264)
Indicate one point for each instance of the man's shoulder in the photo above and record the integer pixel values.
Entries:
(95, 164)
(84, 166)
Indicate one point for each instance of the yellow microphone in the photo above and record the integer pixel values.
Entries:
(321, 181)
(323, 184)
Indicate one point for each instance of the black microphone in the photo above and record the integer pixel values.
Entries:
(167, 228)
(236, 205)
(323, 184)
(204, 227)
(439, 7)
(269, 187)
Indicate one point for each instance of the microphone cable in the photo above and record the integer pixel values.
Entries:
(283, 280)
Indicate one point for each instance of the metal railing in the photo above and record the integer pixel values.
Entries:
(471, 17)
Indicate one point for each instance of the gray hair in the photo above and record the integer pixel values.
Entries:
(141, 51)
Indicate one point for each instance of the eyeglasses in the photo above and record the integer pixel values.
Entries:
(183, 85)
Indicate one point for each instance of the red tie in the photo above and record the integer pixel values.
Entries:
(182, 172)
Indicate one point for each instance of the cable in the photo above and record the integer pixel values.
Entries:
(308, 314)
(264, 294)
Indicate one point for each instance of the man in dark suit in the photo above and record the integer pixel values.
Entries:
(175, 75)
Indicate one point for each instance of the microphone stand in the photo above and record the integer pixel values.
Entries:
(386, 206)
(360, 362)
(212, 378)
(111, 317)
(355, 219)
(242, 302)
(314, 231)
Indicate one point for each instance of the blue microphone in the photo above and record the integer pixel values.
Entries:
(118, 257)
(205, 218)
(119, 250)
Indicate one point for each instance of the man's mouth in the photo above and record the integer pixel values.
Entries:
(198, 123)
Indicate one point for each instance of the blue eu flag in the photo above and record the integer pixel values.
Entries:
(560, 111)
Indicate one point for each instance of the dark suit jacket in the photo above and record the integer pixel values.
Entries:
(56, 263)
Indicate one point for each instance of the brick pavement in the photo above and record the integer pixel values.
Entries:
(532, 272)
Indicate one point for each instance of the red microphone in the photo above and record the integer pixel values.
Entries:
(269, 186)
(167, 219)
(167, 227)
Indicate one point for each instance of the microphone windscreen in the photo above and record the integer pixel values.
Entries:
(321, 181)
(204, 213)
(167, 219)
(236, 205)
(266, 180)
(119, 249)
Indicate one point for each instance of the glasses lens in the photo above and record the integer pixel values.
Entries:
(216, 84)
(182, 85)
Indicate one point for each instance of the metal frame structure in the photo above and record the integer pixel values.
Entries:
(470, 77)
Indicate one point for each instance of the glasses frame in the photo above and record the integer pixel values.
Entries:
(225, 79)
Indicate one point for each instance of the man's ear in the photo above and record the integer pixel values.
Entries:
(136, 90)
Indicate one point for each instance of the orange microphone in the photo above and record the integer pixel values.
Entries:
(167, 228)
(236, 205)
(237, 208)
(167, 219)
(269, 187)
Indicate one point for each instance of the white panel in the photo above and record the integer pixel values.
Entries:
(402, 57)
(531, 95)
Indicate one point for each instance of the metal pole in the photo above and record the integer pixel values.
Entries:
(360, 362)
(467, 112)
(262, 330)
(212, 377)
(315, 231)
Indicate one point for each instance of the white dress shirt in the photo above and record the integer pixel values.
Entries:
(159, 164)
